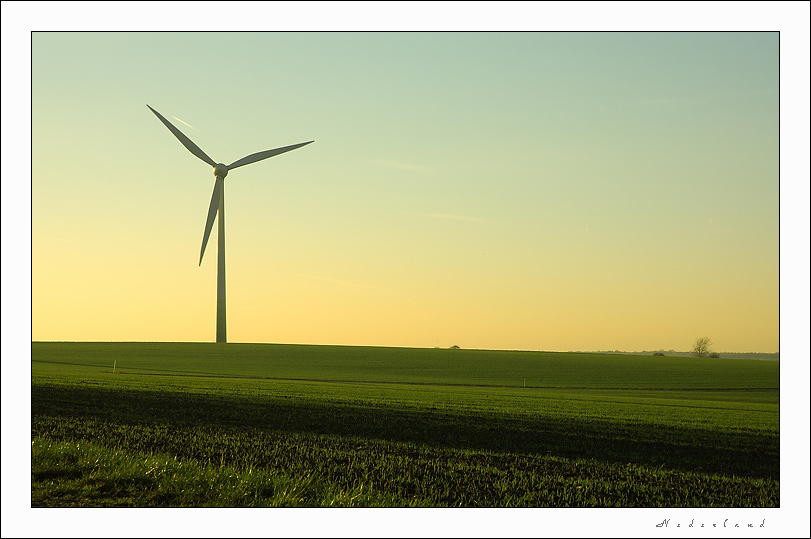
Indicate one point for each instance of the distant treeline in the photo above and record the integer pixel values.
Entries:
(728, 355)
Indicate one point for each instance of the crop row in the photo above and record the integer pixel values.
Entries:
(727, 452)
(419, 474)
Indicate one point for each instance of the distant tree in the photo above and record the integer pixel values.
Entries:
(454, 347)
(658, 353)
(701, 348)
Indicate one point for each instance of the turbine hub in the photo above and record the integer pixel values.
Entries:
(220, 170)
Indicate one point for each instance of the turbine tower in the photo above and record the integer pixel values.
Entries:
(217, 207)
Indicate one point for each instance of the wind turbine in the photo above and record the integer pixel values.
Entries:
(217, 206)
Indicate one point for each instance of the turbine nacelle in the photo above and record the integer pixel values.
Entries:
(220, 170)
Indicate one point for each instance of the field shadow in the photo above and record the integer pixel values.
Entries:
(686, 449)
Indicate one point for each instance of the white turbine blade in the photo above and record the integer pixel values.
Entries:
(254, 157)
(186, 141)
(212, 211)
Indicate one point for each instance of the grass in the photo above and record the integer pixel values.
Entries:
(281, 425)
(86, 474)
(408, 365)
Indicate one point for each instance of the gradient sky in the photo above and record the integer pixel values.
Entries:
(547, 191)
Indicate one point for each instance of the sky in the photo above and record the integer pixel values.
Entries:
(542, 191)
(501, 190)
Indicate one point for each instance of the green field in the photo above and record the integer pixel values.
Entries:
(257, 425)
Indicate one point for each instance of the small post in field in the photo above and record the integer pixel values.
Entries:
(114, 364)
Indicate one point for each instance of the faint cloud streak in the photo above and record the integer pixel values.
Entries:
(340, 282)
(184, 123)
(401, 166)
(671, 101)
(450, 217)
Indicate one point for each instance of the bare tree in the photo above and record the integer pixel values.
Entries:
(702, 347)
